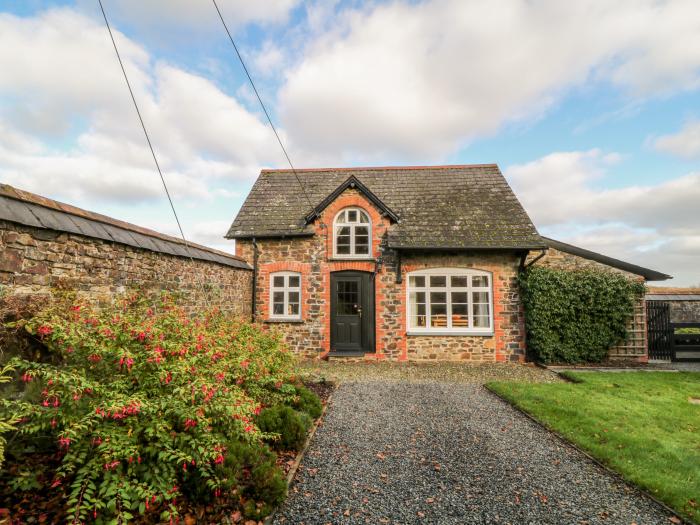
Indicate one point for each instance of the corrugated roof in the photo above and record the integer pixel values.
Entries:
(649, 275)
(438, 207)
(29, 209)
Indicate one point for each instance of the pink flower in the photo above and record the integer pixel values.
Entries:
(26, 377)
(219, 459)
(44, 330)
(64, 442)
(245, 364)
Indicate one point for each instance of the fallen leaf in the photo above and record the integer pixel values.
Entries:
(236, 516)
(674, 519)
(430, 500)
(420, 514)
(381, 456)
(436, 466)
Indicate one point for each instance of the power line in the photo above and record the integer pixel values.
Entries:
(262, 105)
(148, 138)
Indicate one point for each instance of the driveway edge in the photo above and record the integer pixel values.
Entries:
(293, 471)
(615, 474)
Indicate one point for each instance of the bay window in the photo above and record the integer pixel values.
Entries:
(450, 300)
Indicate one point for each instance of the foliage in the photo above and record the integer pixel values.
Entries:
(145, 398)
(688, 331)
(576, 316)
(287, 426)
(308, 402)
(639, 424)
(11, 414)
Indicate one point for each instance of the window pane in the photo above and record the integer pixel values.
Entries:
(343, 230)
(481, 322)
(278, 281)
(352, 215)
(480, 297)
(363, 218)
(438, 297)
(418, 315)
(294, 281)
(438, 309)
(361, 231)
(438, 315)
(480, 280)
(481, 309)
(293, 297)
(343, 249)
(438, 280)
(416, 281)
(293, 309)
(361, 249)
(460, 315)
(278, 297)
(341, 217)
(278, 309)
(459, 281)
(459, 297)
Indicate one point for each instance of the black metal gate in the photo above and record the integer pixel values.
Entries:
(659, 330)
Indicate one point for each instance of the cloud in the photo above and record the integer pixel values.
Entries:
(68, 128)
(421, 79)
(194, 16)
(685, 143)
(651, 225)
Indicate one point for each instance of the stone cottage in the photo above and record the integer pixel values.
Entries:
(405, 263)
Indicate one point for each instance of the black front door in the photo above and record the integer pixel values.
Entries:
(352, 312)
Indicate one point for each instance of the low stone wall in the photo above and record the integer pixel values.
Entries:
(37, 261)
(685, 311)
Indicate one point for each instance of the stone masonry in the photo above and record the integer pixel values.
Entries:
(38, 261)
(312, 257)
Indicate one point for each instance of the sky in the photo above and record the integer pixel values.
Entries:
(591, 108)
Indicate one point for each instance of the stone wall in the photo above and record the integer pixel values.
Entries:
(312, 257)
(37, 261)
(635, 347)
(685, 311)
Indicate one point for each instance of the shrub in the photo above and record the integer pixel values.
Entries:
(308, 402)
(576, 316)
(146, 399)
(288, 426)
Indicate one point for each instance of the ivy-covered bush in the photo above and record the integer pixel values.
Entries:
(145, 404)
(576, 316)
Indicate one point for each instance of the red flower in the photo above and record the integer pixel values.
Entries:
(64, 442)
(44, 330)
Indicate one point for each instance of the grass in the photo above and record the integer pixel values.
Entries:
(640, 424)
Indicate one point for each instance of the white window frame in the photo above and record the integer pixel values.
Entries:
(285, 289)
(352, 226)
(448, 273)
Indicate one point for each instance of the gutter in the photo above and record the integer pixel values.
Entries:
(255, 281)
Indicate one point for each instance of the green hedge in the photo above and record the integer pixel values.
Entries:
(576, 316)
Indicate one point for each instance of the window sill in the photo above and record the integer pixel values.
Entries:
(480, 333)
(283, 320)
(347, 259)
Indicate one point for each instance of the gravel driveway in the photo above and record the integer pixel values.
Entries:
(400, 452)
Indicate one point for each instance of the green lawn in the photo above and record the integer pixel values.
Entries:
(638, 423)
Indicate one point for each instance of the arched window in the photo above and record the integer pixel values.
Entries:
(452, 300)
(285, 295)
(351, 234)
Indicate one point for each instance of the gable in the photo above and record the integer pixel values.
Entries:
(443, 207)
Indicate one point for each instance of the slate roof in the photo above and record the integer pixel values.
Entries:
(438, 207)
(649, 275)
(29, 209)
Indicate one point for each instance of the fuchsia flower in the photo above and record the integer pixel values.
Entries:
(44, 330)
(26, 377)
(190, 423)
(245, 364)
(219, 459)
(64, 442)
(94, 358)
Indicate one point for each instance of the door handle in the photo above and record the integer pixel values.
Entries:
(359, 310)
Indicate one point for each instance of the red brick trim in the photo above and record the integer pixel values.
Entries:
(264, 272)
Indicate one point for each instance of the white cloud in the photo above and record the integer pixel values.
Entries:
(194, 16)
(685, 143)
(419, 79)
(70, 131)
(651, 225)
